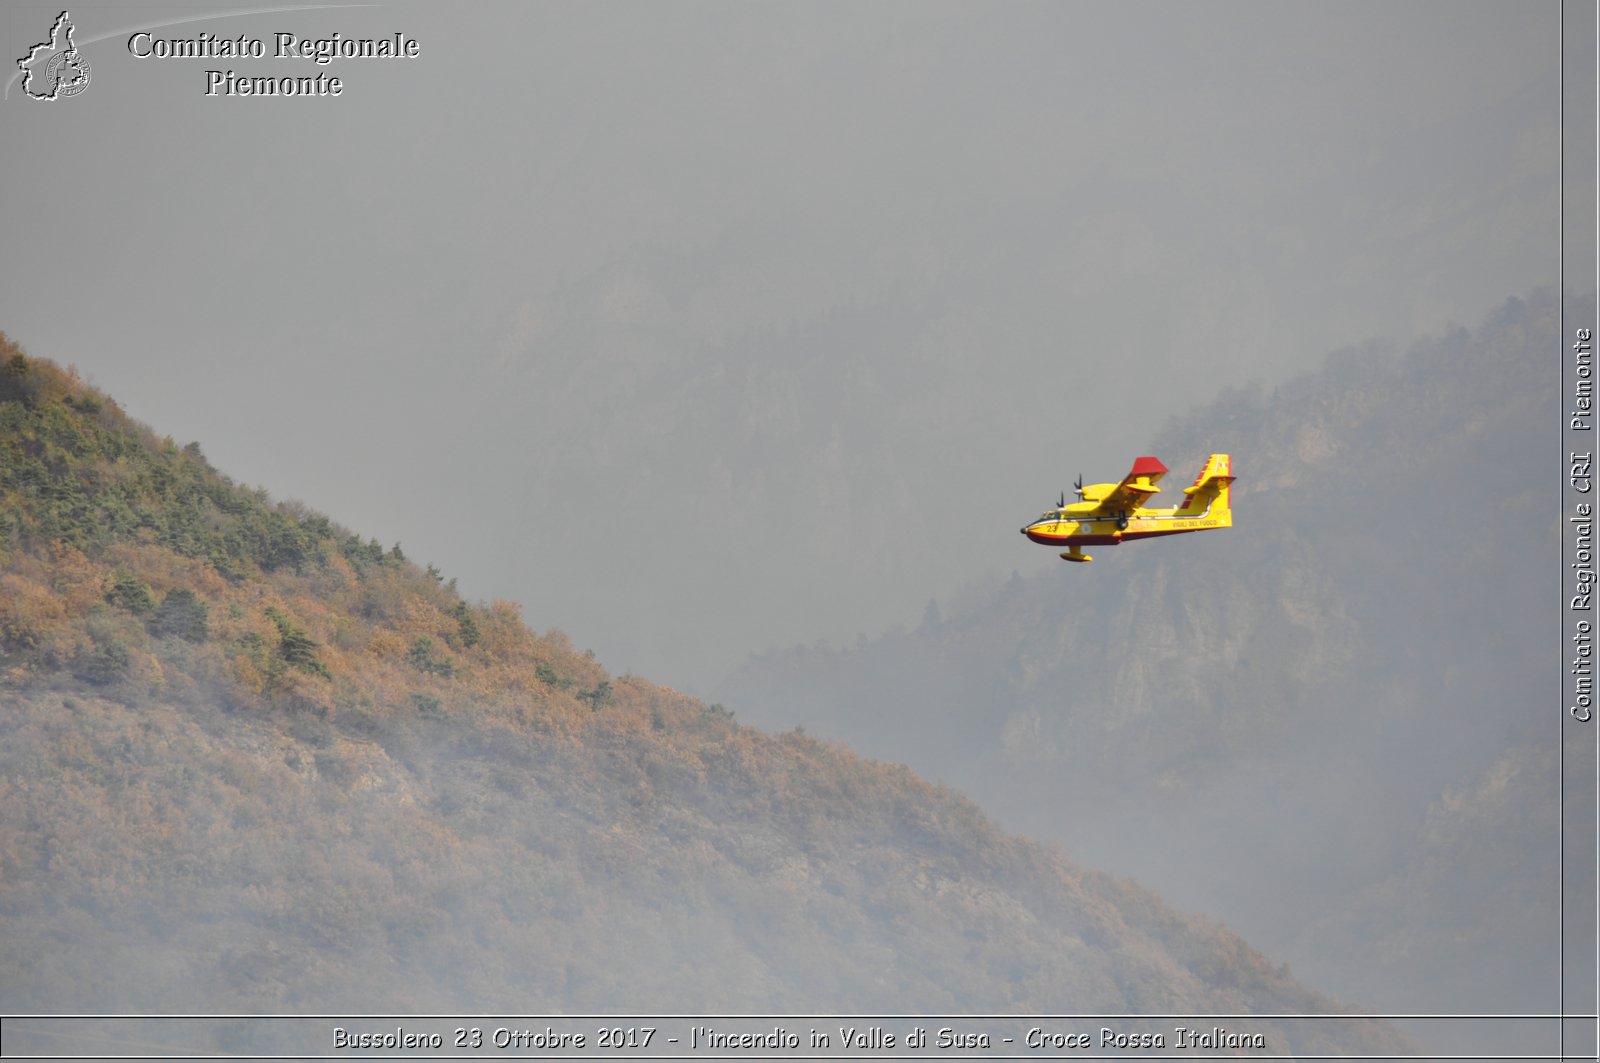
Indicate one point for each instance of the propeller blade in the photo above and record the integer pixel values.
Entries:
(1063, 500)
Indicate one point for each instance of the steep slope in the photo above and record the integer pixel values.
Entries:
(1278, 723)
(252, 762)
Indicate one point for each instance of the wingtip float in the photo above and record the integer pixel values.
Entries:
(1110, 514)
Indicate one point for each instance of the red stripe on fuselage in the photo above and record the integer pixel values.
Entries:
(1046, 539)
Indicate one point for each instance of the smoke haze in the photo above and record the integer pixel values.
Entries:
(738, 326)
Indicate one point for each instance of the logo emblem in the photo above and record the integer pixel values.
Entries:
(55, 69)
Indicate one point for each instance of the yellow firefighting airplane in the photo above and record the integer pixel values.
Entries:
(1113, 513)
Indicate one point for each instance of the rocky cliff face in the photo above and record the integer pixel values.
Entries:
(1270, 721)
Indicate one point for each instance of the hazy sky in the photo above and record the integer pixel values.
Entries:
(703, 327)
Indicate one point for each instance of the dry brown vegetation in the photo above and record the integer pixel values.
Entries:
(252, 762)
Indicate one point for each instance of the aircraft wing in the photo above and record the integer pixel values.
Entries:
(1135, 488)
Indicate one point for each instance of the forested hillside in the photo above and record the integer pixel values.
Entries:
(250, 761)
(1335, 724)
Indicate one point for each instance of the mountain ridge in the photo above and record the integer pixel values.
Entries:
(1327, 693)
(255, 762)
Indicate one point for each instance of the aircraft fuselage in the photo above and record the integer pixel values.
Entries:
(1063, 528)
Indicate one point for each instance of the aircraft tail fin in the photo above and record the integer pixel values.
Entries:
(1209, 493)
